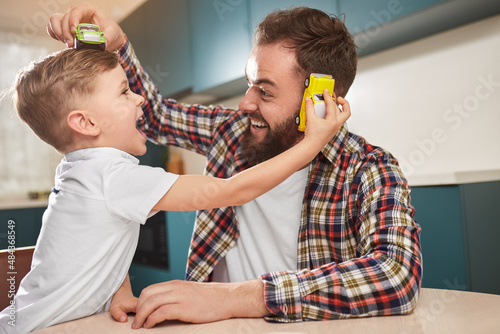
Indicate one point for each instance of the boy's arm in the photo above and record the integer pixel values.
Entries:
(204, 192)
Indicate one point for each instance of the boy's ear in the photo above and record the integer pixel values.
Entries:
(81, 122)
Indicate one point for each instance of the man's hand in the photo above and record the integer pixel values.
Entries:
(123, 302)
(62, 27)
(199, 302)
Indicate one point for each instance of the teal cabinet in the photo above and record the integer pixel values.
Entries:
(382, 24)
(258, 9)
(438, 212)
(460, 228)
(480, 202)
(179, 231)
(221, 42)
(27, 222)
(160, 33)
(362, 15)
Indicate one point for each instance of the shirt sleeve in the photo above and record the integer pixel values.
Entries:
(383, 280)
(166, 121)
(131, 191)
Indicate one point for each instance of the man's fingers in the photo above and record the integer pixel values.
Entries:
(54, 27)
(150, 304)
(67, 34)
(166, 312)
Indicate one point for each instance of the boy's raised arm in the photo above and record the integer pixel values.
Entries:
(197, 192)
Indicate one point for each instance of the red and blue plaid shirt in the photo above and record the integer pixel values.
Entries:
(358, 245)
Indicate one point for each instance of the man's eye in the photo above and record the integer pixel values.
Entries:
(264, 93)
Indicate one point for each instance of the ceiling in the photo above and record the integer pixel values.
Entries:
(28, 18)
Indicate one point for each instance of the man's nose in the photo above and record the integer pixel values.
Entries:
(248, 103)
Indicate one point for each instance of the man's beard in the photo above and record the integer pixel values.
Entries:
(275, 142)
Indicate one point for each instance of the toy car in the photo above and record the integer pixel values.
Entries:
(315, 85)
(89, 36)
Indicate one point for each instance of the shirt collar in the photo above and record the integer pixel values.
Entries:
(336, 146)
(98, 152)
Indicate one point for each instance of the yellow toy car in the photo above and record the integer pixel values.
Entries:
(315, 85)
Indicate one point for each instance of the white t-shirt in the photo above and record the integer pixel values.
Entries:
(268, 228)
(88, 238)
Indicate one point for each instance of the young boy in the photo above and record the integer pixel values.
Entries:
(79, 102)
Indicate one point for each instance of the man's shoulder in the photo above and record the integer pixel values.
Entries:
(359, 146)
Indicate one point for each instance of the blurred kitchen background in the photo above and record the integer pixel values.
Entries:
(427, 89)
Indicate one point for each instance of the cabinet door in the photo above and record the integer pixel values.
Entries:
(363, 15)
(26, 223)
(480, 203)
(221, 41)
(159, 32)
(258, 9)
(438, 211)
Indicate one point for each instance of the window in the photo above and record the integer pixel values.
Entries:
(26, 162)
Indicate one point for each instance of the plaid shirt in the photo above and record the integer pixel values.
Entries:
(358, 245)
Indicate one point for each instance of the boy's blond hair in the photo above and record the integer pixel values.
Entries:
(47, 90)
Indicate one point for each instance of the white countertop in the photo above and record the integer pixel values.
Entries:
(452, 178)
(11, 204)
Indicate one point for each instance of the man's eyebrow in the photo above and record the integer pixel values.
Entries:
(265, 81)
(262, 81)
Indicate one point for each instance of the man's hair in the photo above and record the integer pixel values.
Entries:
(47, 90)
(322, 43)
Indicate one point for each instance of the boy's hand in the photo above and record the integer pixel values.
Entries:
(121, 305)
(62, 27)
(323, 130)
(123, 302)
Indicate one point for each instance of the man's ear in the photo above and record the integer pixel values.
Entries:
(81, 122)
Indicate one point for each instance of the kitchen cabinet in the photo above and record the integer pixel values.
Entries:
(160, 34)
(179, 228)
(222, 33)
(221, 42)
(438, 212)
(382, 24)
(27, 222)
(258, 9)
(362, 15)
(460, 226)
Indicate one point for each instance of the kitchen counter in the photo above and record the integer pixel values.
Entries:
(460, 177)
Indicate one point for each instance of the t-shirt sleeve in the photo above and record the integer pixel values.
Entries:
(131, 191)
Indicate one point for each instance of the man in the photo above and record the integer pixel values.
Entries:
(335, 240)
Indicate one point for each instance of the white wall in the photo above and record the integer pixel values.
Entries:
(434, 103)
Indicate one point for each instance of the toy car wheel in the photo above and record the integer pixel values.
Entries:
(77, 44)
(306, 82)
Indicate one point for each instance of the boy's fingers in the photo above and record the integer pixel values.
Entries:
(309, 109)
(346, 108)
(328, 101)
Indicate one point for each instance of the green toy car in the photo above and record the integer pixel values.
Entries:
(89, 36)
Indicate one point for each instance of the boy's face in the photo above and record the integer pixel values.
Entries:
(116, 110)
